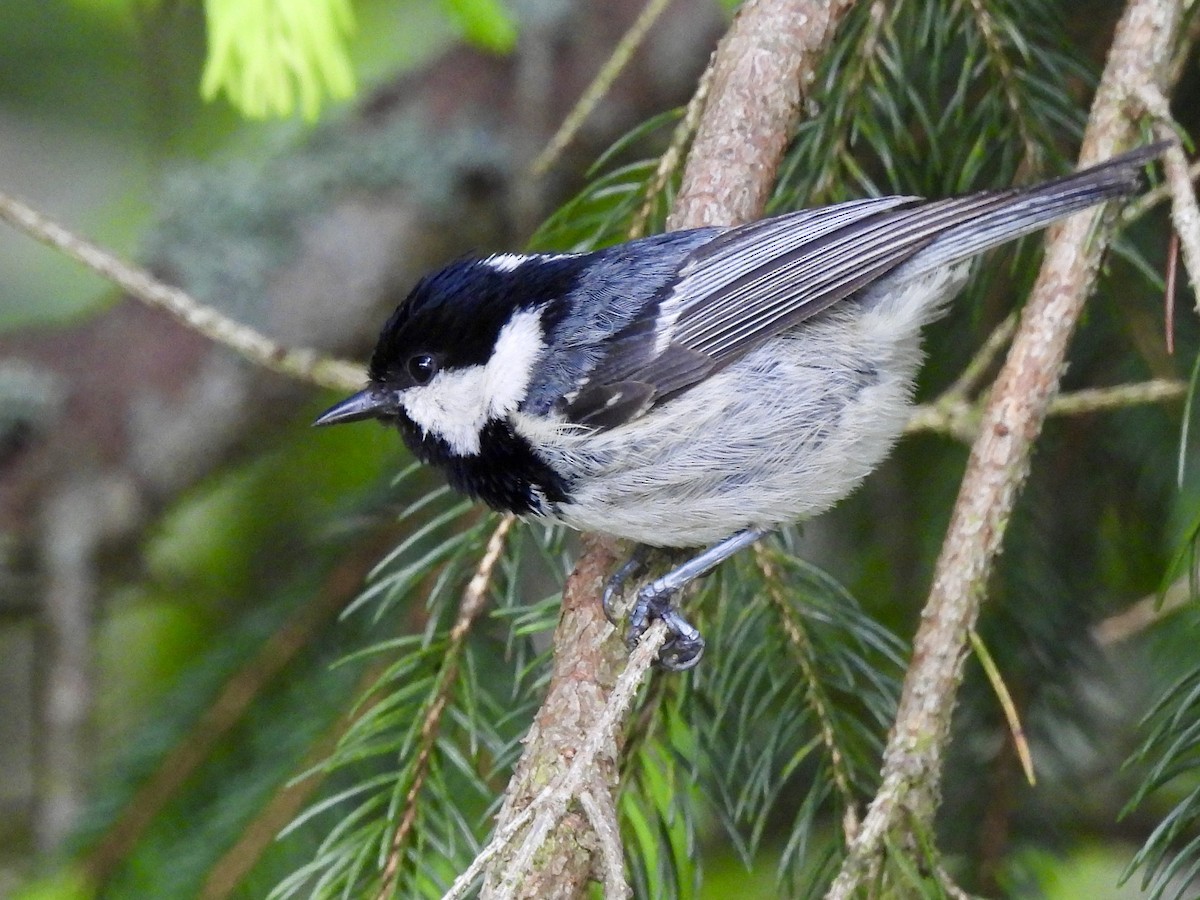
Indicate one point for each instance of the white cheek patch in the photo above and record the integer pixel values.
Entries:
(452, 406)
(458, 403)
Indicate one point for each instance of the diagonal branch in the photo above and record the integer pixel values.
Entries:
(303, 364)
(999, 462)
(818, 699)
(1185, 213)
(551, 803)
(600, 86)
(469, 609)
(757, 75)
(768, 58)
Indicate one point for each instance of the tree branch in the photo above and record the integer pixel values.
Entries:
(551, 802)
(303, 364)
(910, 787)
(599, 88)
(768, 58)
(756, 77)
(473, 600)
(1185, 215)
(960, 418)
(814, 690)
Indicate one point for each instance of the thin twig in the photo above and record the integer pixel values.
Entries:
(1008, 79)
(797, 635)
(952, 412)
(549, 805)
(951, 887)
(1135, 209)
(673, 155)
(960, 419)
(621, 55)
(1092, 400)
(602, 816)
(1183, 49)
(976, 370)
(950, 416)
(580, 772)
(860, 63)
(1185, 214)
(1011, 716)
(300, 363)
(1169, 292)
(473, 601)
(1145, 613)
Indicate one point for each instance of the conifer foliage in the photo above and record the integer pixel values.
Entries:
(383, 760)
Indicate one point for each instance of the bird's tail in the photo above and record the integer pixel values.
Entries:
(1006, 215)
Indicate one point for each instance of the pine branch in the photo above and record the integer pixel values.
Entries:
(1185, 215)
(1143, 614)
(469, 609)
(818, 699)
(853, 95)
(961, 419)
(761, 68)
(300, 363)
(617, 61)
(671, 159)
(550, 803)
(225, 712)
(1007, 75)
(1155, 196)
(911, 777)
(769, 53)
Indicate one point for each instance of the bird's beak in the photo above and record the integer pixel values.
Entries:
(369, 403)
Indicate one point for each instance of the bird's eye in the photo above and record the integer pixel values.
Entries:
(422, 367)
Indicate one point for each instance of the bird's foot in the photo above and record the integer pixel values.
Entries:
(684, 645)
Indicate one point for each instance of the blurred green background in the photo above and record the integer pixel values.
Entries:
(211, 582)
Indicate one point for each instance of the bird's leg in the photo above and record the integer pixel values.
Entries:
(684, 646)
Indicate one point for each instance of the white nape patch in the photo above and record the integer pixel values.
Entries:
(506, 262)
(458, 403)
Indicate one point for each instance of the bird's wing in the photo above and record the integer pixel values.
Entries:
(747, 285)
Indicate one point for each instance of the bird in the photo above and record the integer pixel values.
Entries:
(697, 388)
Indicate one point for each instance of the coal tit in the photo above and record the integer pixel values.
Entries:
(697, 387)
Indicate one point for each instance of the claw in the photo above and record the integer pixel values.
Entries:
(684, 645)
(632, 567)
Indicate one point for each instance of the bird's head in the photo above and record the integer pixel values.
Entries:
(462, 349)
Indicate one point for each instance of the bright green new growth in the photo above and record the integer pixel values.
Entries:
(271, 56)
